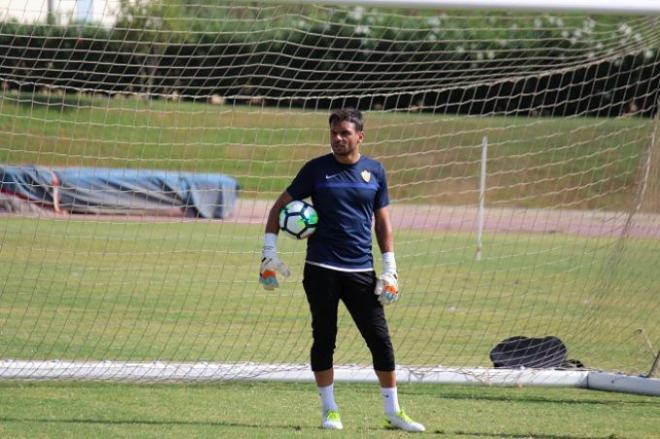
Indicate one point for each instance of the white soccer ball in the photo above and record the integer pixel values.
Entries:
(298, 219)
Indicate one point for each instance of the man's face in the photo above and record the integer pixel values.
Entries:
(345, 140)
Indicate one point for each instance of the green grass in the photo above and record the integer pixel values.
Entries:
(188, 292)
(283, 410)
(533, 162)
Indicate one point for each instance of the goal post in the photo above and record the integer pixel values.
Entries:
(128, 253)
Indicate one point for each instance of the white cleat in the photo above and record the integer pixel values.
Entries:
(331, 420)
(403, 422)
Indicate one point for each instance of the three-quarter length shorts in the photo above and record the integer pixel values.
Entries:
(324, 288)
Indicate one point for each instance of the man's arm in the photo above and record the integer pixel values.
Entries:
(270, 262)
(383, 228)
(272, 224)
(387, 286)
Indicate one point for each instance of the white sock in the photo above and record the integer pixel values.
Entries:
(327, 395)
(390, 400)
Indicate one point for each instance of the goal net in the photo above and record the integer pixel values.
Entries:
(522, 151)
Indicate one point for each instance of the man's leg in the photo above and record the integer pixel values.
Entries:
(369, 316)
(325, 384)
(387, 381)
(324, 377)
(320, 289)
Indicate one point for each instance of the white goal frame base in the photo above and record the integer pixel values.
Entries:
(201, 372)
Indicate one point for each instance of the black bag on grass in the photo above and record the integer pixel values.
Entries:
(539, 352)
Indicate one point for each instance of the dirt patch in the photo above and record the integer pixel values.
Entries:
(465, 219)
(442, 218)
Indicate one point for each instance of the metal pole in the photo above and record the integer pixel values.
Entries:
(482, 197)
(50, 18)
(654, 366)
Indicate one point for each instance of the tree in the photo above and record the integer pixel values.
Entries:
(148, 28)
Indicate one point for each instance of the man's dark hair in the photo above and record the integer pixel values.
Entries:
(347, 115)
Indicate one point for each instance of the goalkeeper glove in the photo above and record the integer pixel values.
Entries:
(271, 264)
(387, 284)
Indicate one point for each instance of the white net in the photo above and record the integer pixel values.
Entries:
(567, 106)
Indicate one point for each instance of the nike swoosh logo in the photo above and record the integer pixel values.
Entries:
(328, 177)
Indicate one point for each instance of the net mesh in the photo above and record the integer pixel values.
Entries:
(567, 106)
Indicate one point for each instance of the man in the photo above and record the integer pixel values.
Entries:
(349, 191)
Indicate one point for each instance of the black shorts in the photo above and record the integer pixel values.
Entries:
(324, 288)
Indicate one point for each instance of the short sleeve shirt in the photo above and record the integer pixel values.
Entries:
(345, 198)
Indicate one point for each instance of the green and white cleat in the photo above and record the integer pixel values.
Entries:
(403, 422)
(331, 420)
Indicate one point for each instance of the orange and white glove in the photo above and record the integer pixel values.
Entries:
(271, 264)
(387, 284)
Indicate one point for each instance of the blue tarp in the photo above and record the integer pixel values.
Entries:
(122, 191)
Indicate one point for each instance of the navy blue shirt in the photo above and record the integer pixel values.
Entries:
(345, 197)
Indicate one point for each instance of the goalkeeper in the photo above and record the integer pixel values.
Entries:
(349, 192)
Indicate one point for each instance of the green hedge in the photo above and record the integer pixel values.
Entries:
(311, 59)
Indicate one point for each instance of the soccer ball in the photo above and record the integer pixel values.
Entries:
(298, 219)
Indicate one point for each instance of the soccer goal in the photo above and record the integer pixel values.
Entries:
(522, 146)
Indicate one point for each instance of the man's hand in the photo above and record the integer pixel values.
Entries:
(270, 266)
(387, 288)
(387, 285)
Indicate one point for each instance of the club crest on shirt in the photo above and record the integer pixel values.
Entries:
(366, 175)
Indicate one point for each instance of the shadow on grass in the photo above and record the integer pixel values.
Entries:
(522, 435)
(541, 400)
(4, 419)
(133, 422)
(509, 397)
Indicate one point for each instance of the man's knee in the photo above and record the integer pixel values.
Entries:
(322, 356)
(382, 351)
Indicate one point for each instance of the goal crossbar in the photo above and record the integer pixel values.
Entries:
(581, 6)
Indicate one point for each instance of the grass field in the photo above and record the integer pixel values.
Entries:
(187, 292)
(110, 289)
(533, 162)
(283, 410)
